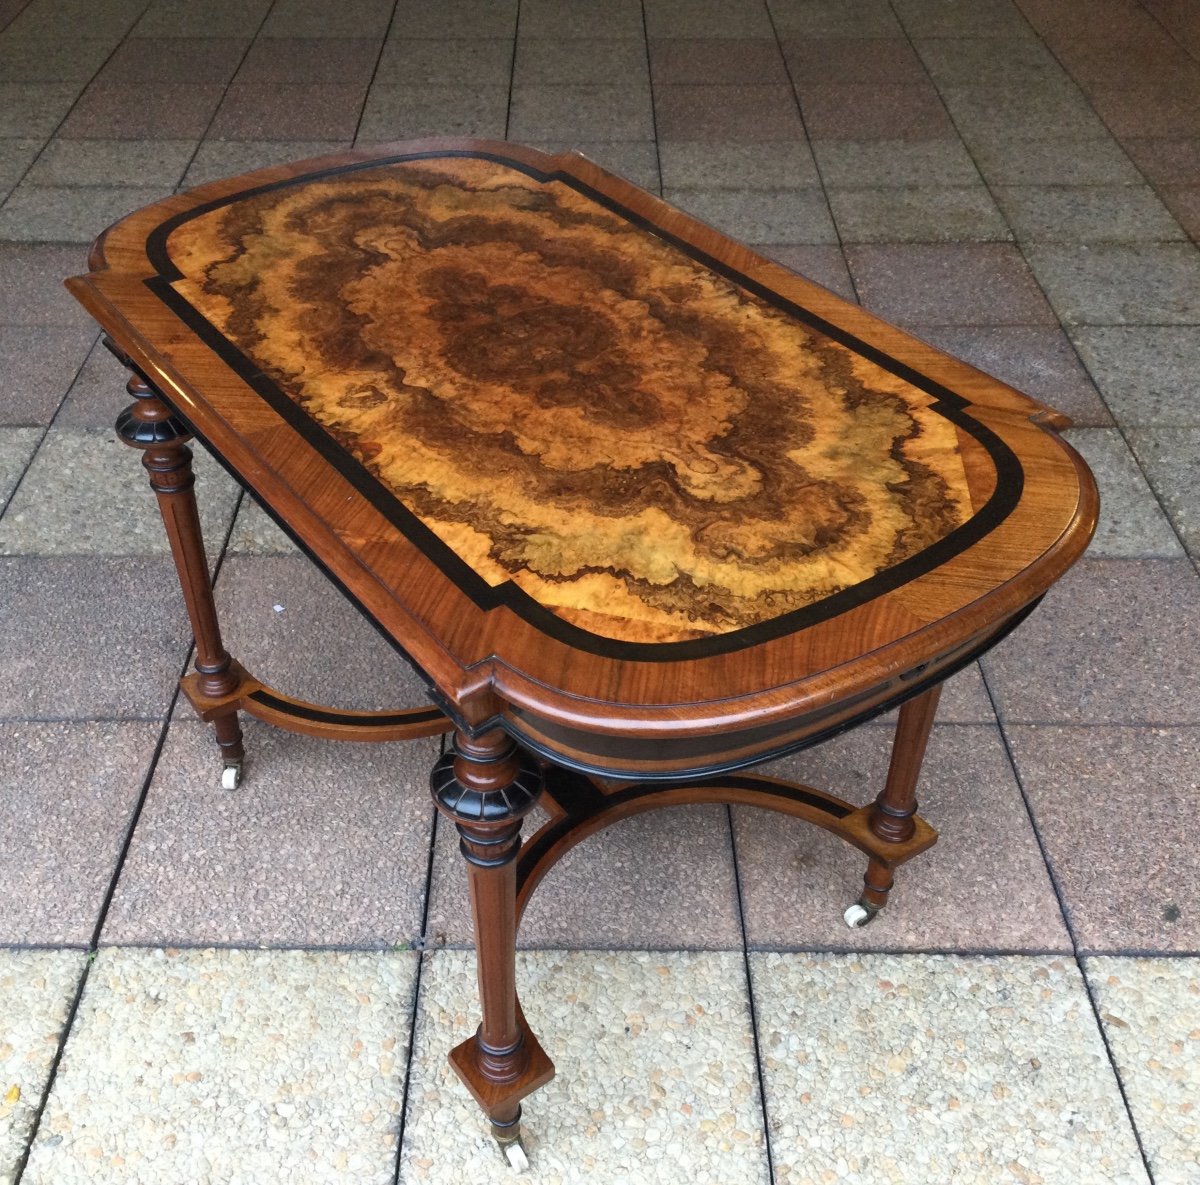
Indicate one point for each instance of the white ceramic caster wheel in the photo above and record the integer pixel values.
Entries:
(858, 915)
(514, 1153)
(231, 777)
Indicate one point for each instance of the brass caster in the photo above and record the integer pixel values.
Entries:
(860, 914)
(231, 775)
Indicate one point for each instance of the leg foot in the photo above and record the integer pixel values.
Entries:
(231, 776)
(512, 1148)
(860, 914)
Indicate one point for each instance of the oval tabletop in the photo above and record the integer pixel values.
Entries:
(605, 475)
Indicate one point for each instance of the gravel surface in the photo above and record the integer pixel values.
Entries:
(925, 1068)
(230, 1067)
(656, 1082)
(36, 990)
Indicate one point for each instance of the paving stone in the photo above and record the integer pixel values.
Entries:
(458, 18)
(823, 263)
(157, 164)
(921, 215)
(1166, 160)
(1087, 214)
(948, 284)
(143, 111)
(1052, 109)
(619, 888)
(86, 494)
(981, 18)
(1147, 374)
(635, 160)
(1171, 459)
(796, 879)
(34, 109)
(255, 533)
(304, 112)
(313, 18)
(98, 394)
(1184, 203)
(304, 61)
(278, 615)
(655, 1078)
(76, 214)
(111, 637)
(966, 59)
(15, 158)
(1131, 111)
(834, 60)
(1088, 160)
(460, 61)
(544, 61)
(322, 845)
(216, 18)
(1107, 803)
(32, 291)
(37, 988)
(928, 1068)
(716, 61)
(230, 1065)
(707, 18)
(37, 366)
(17, 446)
(107, 21)
(216, 159)
(1113, 643)
(760, 216)
(894, 162)
(407, 112)
(582, 18)
(179, 60)
(740, 113)
(860, 111)
(1132, 524)
(586, 112)
(835, 18)
(52, 58)
(69, 791)
(1036, 359)
(1150, 1009)
(1116, 284)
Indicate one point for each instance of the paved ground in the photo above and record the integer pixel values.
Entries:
(204, 987)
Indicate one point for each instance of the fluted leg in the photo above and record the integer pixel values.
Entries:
(148, 424)
(485, 786)
(892, 815)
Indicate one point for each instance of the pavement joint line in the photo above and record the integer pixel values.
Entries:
(650, 83)
(422, 955)
(749, 974)
(67, 114)
(512, 69)
(1075, 954)
(808, 142)
(93, 948)
(362, 107)
(208, 126)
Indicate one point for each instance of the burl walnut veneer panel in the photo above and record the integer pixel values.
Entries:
(569, 402)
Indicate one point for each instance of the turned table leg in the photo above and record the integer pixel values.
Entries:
(892, 815)
(485, 786)
(149, 425)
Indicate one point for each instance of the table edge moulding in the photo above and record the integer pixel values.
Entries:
(556, 695)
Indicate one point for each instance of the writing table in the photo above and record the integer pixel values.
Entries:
(641, 507)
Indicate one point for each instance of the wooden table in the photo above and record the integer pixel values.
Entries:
(643, 508)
